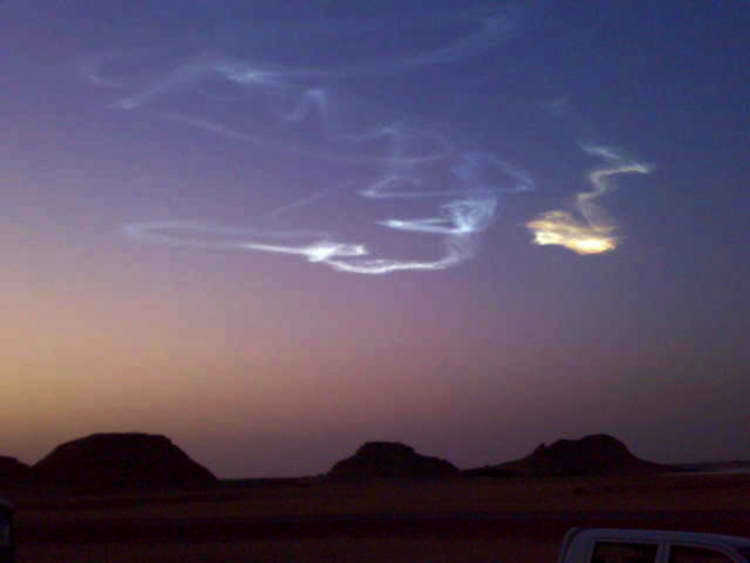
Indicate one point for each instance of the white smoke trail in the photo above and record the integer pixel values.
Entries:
(189, 74)
(342, 147)
(494, 26)
(285, 105)
(468, 183)
(459, 223)
(210, 126)
(494, 29)
(90, 67)
(594, 232)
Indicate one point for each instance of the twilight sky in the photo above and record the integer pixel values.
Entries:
(274, 230)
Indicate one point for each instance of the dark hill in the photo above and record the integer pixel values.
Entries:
(591, 455)
(120, 461)
(12, 471)
(390, 460)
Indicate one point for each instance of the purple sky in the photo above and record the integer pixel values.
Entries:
(274, 233)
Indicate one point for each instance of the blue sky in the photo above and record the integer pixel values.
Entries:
(471, 227)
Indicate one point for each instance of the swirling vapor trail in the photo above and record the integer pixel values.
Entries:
(593, 233)
(415, 163)
(291, 110)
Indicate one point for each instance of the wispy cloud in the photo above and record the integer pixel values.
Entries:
(587, 229)
(290, 110)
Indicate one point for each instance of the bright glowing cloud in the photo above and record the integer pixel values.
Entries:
(561, 228)
(593, 232)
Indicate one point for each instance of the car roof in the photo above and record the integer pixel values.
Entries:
(666, 535)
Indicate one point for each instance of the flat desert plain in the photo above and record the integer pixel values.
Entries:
(472, 520)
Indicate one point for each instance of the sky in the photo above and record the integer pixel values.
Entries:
(274, 231)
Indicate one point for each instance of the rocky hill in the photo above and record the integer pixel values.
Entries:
(120, 461)
(591, 455)
(390, 460)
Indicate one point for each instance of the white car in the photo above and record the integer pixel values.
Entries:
(651, 546)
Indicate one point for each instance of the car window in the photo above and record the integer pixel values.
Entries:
(623, 552)
(689, 554)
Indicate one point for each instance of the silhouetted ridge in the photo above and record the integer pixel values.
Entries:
(390, 460)
(591, 455)
(120, 461)
(12, 471)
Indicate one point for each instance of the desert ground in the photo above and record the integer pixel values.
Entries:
(471, 520)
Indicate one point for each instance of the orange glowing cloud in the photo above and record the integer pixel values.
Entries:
(593, 232)
(560, 227)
